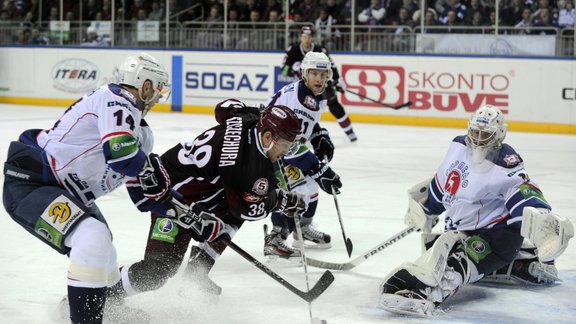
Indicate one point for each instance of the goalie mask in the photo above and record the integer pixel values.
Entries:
(316, 61)
(486, 131)
(136, 70)
(284, 125)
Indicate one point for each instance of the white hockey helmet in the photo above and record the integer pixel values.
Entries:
(486, 132)
(317, 61)
(136, 69)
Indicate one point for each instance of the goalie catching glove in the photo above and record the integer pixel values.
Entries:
(327, 179)
(549, 232)
(322, 144)
(290, 203)
(204, 226)
(154, 179)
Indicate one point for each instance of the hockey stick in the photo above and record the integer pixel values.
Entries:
(407, 104)
(323, 283)
(347, 241)
(361, 258)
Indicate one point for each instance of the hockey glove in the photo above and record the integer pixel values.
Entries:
(204, 226)
(341, 86)
(290, 203)
(326, 178)
(154, 179)
(322, 145)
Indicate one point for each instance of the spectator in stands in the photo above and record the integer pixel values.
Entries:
(271, 5)
(334, 10)
(525, 21)
(512, 13)
(430, 20)
(308, 9)
(401, 40)
(323, 26)
(566, 14)
(545, 20)
(478, 21)
(90, 10)
(246, 11)
(475, 5)
(451, 21)
(411, 6)
(54, 14)
(136, 11)
(157, 11)
(92, 39)
(545, 5)
(38, 37)
(459, 12)
(372, 15)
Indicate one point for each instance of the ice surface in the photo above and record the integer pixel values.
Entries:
(376, 172)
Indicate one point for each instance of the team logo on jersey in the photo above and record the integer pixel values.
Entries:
(251, 198)
(165, 225)
(261, 186)
(512, 159)
(45, 234)
(453, 182)
(59, 212)
(310, 102)
(164, 230)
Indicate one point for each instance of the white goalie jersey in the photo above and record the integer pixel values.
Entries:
(100, 129)
(485, 195)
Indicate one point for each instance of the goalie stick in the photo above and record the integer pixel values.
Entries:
(323, 283)
(361, 258)
(406, 104)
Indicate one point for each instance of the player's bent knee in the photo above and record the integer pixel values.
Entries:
(91, 251)
(152, 273)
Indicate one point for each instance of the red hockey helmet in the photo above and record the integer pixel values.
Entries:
(281, 121)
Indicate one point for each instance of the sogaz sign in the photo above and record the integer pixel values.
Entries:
(221, 81)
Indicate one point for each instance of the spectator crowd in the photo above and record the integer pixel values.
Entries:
(327, 15)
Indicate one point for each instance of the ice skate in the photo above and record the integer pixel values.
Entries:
(523, 272)
(407, 302)
(351, 135)
(275, 246)
(313, 238)
(196, 274)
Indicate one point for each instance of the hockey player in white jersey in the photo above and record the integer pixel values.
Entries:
(306, 170)
(491, 208)
(54, 176)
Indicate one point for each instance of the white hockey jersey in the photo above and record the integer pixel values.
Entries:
(303, 102)
(75, 145)
(475, 196)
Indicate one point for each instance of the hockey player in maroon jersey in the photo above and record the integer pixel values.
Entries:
(227, 171)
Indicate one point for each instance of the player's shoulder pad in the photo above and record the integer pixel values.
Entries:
(460, 139)
(507, 157)
(231, 108)
(121, 92)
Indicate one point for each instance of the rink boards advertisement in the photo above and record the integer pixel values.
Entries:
(536, 94)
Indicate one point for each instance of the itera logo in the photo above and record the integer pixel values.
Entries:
(75, 75)
(381, 83)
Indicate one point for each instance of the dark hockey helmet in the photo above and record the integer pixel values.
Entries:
(307, 30)
(281, 121)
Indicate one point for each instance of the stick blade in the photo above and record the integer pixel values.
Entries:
(349, 247)
(323, 283)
